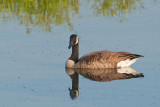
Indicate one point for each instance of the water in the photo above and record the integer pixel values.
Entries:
(33, 52)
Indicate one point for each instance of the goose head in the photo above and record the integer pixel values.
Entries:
(73, 40)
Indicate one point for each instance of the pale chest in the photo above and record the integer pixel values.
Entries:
(70, 63)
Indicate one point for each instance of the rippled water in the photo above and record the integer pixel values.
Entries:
(33, 50)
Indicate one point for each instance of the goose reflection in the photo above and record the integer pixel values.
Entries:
(101, 75)
(105, 75)
(75, 82)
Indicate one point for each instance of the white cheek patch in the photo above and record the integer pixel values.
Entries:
(76, 40)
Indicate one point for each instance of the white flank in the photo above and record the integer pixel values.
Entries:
(126, 63)
(70, 71)
(69, 63)
(127, 70)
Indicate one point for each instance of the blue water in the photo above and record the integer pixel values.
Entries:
(32, 66)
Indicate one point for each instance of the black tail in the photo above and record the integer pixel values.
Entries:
(134, 76)
(133, 56)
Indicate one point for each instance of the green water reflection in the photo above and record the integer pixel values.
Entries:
(121, 8)
(48, 13)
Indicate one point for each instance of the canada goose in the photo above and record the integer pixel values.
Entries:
(98, 59)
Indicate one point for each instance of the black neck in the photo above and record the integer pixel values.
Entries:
(75, 53)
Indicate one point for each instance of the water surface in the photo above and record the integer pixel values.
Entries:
(33, 50)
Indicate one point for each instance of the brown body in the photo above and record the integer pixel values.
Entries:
(104, 59)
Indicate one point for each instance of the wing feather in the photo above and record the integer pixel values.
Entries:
(104, 59)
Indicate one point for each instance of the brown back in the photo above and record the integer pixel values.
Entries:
(103, 59)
